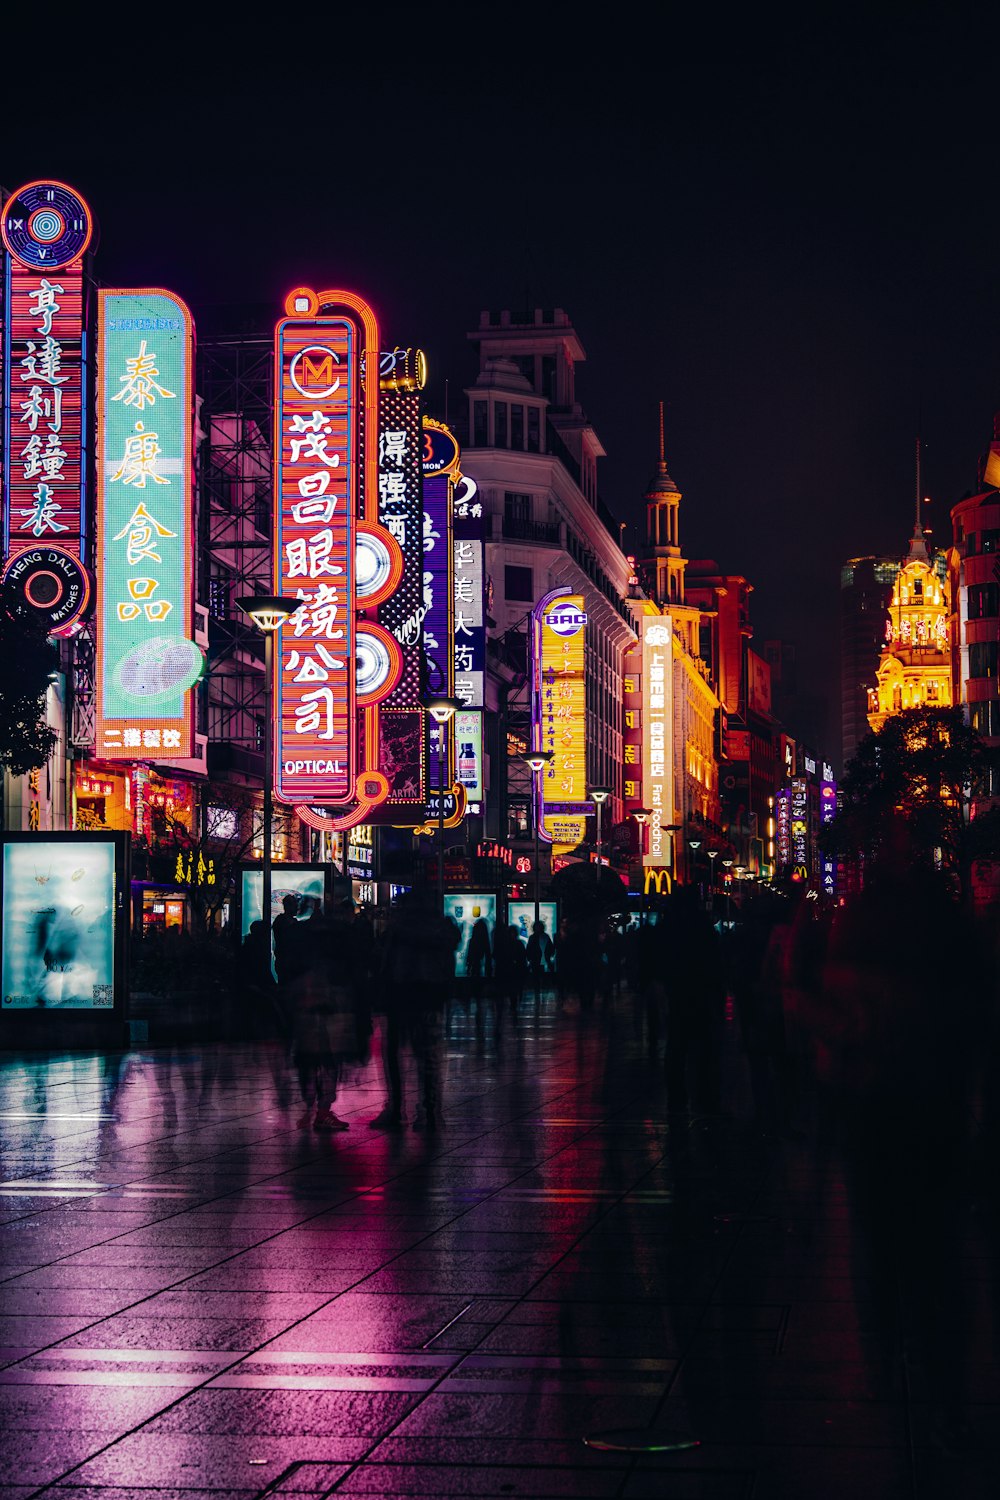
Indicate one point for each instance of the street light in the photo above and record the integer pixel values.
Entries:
(536, 761)
(598, 796)
(442, 711)
(268, 612)
(728, 865)
(642, 816)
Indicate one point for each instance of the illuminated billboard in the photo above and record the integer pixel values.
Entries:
(401, 750)
(146, 658)
(62, 921)
(438, 585)
(316, 443)
(632, 730)
(657, 737)
(46, 229)
(469, 583)
(559, 717)
(469, 752)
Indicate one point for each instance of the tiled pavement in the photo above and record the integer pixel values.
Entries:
(198, 1299)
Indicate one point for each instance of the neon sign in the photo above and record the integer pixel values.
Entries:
(316, 448)
(46, 229)
(147, 660)
(657, 750)
(559, 717)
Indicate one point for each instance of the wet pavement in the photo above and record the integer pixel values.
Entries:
(198, 1298)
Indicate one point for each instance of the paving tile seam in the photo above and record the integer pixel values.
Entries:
(358, 1464)
(208, 1381)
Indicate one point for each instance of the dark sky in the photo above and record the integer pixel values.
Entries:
(789, 234)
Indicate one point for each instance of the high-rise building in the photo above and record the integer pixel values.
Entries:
(532, 452)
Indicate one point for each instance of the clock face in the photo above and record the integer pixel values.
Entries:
(46, 225)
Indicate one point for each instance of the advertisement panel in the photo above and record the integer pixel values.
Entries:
(469, 614)
(466, 909)
(657, 738)
(521, 915)
(307, 882)
(146, 658)
(827, 813)
(316, 442)
(632, 727)
(559, 717)
(799, 827)
(438, 629)
(469, 753)
(60, 901)
(46, 229)
(759, 683)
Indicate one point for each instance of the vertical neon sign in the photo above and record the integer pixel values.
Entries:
(317, 380)
(657, 727)
(559, 716)
(46, 229)
(147, 661)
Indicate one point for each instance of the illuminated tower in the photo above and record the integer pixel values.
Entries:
(663, 507)
(915, 667)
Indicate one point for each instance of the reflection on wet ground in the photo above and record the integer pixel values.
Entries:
(200, 1298)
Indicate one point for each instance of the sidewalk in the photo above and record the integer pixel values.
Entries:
(199, 1299)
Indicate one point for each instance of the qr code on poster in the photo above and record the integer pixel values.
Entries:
(104, 994)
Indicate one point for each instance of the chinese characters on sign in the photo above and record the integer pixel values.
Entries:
(469, 619)
(316, 440)
(800, 828)
(401, 754)
(827, 813)
(559, 717)
(147, 660)
(44, 404)
(657, 754)
(632, 730)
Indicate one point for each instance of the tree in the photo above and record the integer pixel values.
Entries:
(924, 767)
(26, 659)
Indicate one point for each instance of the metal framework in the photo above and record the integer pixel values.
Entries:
(235, 382)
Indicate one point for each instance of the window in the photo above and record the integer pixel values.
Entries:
(989, 541)
(983, 601)
(549, 377)
(480, 432)
(534, 430)
(518, 585)
(985, 718)
(983, 659)
(517, 426)
(500, 425)
(516, 507)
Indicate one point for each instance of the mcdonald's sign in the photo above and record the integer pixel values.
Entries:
(657, 882)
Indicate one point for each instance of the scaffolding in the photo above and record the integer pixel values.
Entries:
(235, 385)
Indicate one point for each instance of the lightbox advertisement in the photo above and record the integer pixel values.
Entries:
(58, 924)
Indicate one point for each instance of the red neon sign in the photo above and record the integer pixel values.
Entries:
(318, 385)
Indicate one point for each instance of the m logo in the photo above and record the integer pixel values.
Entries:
(657, 883)
(312, 372)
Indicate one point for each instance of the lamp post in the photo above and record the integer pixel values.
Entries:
(642, 816)
(442, 711)
(598, 796)
(536, 761)
(727, 865)
(694, 845)
(268, 612)
(713, 855)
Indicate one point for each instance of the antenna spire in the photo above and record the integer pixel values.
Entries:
(663, 451)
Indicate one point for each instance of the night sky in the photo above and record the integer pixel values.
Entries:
(789, 235)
